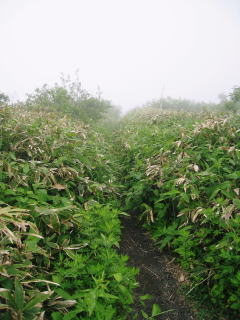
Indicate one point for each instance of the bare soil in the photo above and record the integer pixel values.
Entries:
(159, 276)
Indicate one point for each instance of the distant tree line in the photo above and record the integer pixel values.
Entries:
(227, 103)
(70, 98)
(178, 104)
(4, 99)
(232, 101)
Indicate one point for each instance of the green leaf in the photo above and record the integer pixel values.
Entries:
(145, 297)
(19, 295)
(156, 310)
(38, 298)
(91, 300)
(118, 276)
(25, 168)
(145, 316)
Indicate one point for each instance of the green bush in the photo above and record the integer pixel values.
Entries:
(59, 230)
(182, 174)
(4, 99)
(69, 98)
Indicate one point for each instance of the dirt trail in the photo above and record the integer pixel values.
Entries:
(158, 275)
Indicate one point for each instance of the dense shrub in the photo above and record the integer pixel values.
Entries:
(58, 227)
(69, 98)
(181, 175)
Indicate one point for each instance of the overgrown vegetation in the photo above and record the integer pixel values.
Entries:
(63, 184)
(70, 98)
(181, 176)
(58, 225)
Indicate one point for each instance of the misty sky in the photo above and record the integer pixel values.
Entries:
(132, 49)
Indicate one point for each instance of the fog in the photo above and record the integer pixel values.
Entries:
(134, 50)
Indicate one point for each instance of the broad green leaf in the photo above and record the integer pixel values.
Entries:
(156, 310)
(118, 276)
(19, 295)
(145, 316)
(38, 298)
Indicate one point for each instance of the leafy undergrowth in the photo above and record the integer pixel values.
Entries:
(58, 224)
(181, 174)
(59, 210)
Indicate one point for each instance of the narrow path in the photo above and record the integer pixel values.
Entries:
(157, 275)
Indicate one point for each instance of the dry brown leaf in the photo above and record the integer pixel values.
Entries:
(180, 181)
(236, 191)
(59, 186)
(181, 278)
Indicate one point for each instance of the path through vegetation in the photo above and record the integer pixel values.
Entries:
(64, 186)
(158, 276)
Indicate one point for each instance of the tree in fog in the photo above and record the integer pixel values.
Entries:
(69, 97)
(232, 103)
(4, 99)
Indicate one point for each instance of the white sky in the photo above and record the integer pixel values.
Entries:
(130, 48)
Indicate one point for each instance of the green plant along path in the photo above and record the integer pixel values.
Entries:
(58, 223)
(63, 186)
(181, 174)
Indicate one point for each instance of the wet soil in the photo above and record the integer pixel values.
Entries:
(158, 275)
